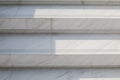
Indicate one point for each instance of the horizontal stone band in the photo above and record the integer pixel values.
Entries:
(59, 61)
(81, 2)
(60, 25)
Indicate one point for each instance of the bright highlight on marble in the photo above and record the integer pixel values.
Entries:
(78, 12)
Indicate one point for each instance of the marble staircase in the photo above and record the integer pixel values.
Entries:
(59, 36)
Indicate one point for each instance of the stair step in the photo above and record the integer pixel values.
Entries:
(60, 50)
(59, 19)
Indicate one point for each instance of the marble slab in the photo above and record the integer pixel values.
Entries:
(59, 74)
(60, 44)
(59, 50)
(59, 61)
(59, 11)
(24, 25)
(59, 19)
(25, 43)
(86, 25)
(81, 2)
(85, 43)
(60, 25)
(5, 60)
(50, 61)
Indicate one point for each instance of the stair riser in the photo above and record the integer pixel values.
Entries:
(59, 61)
(60, 25)
(81, 2)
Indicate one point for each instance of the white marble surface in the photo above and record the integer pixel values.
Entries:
(59, 74)
(59, 19)
(60, 43)
(86, 43)
(59, 50)
(59, 11)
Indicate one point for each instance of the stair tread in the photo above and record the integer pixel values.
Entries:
(61, 11)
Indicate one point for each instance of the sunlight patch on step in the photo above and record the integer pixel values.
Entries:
(85, 12)
(87, 46)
